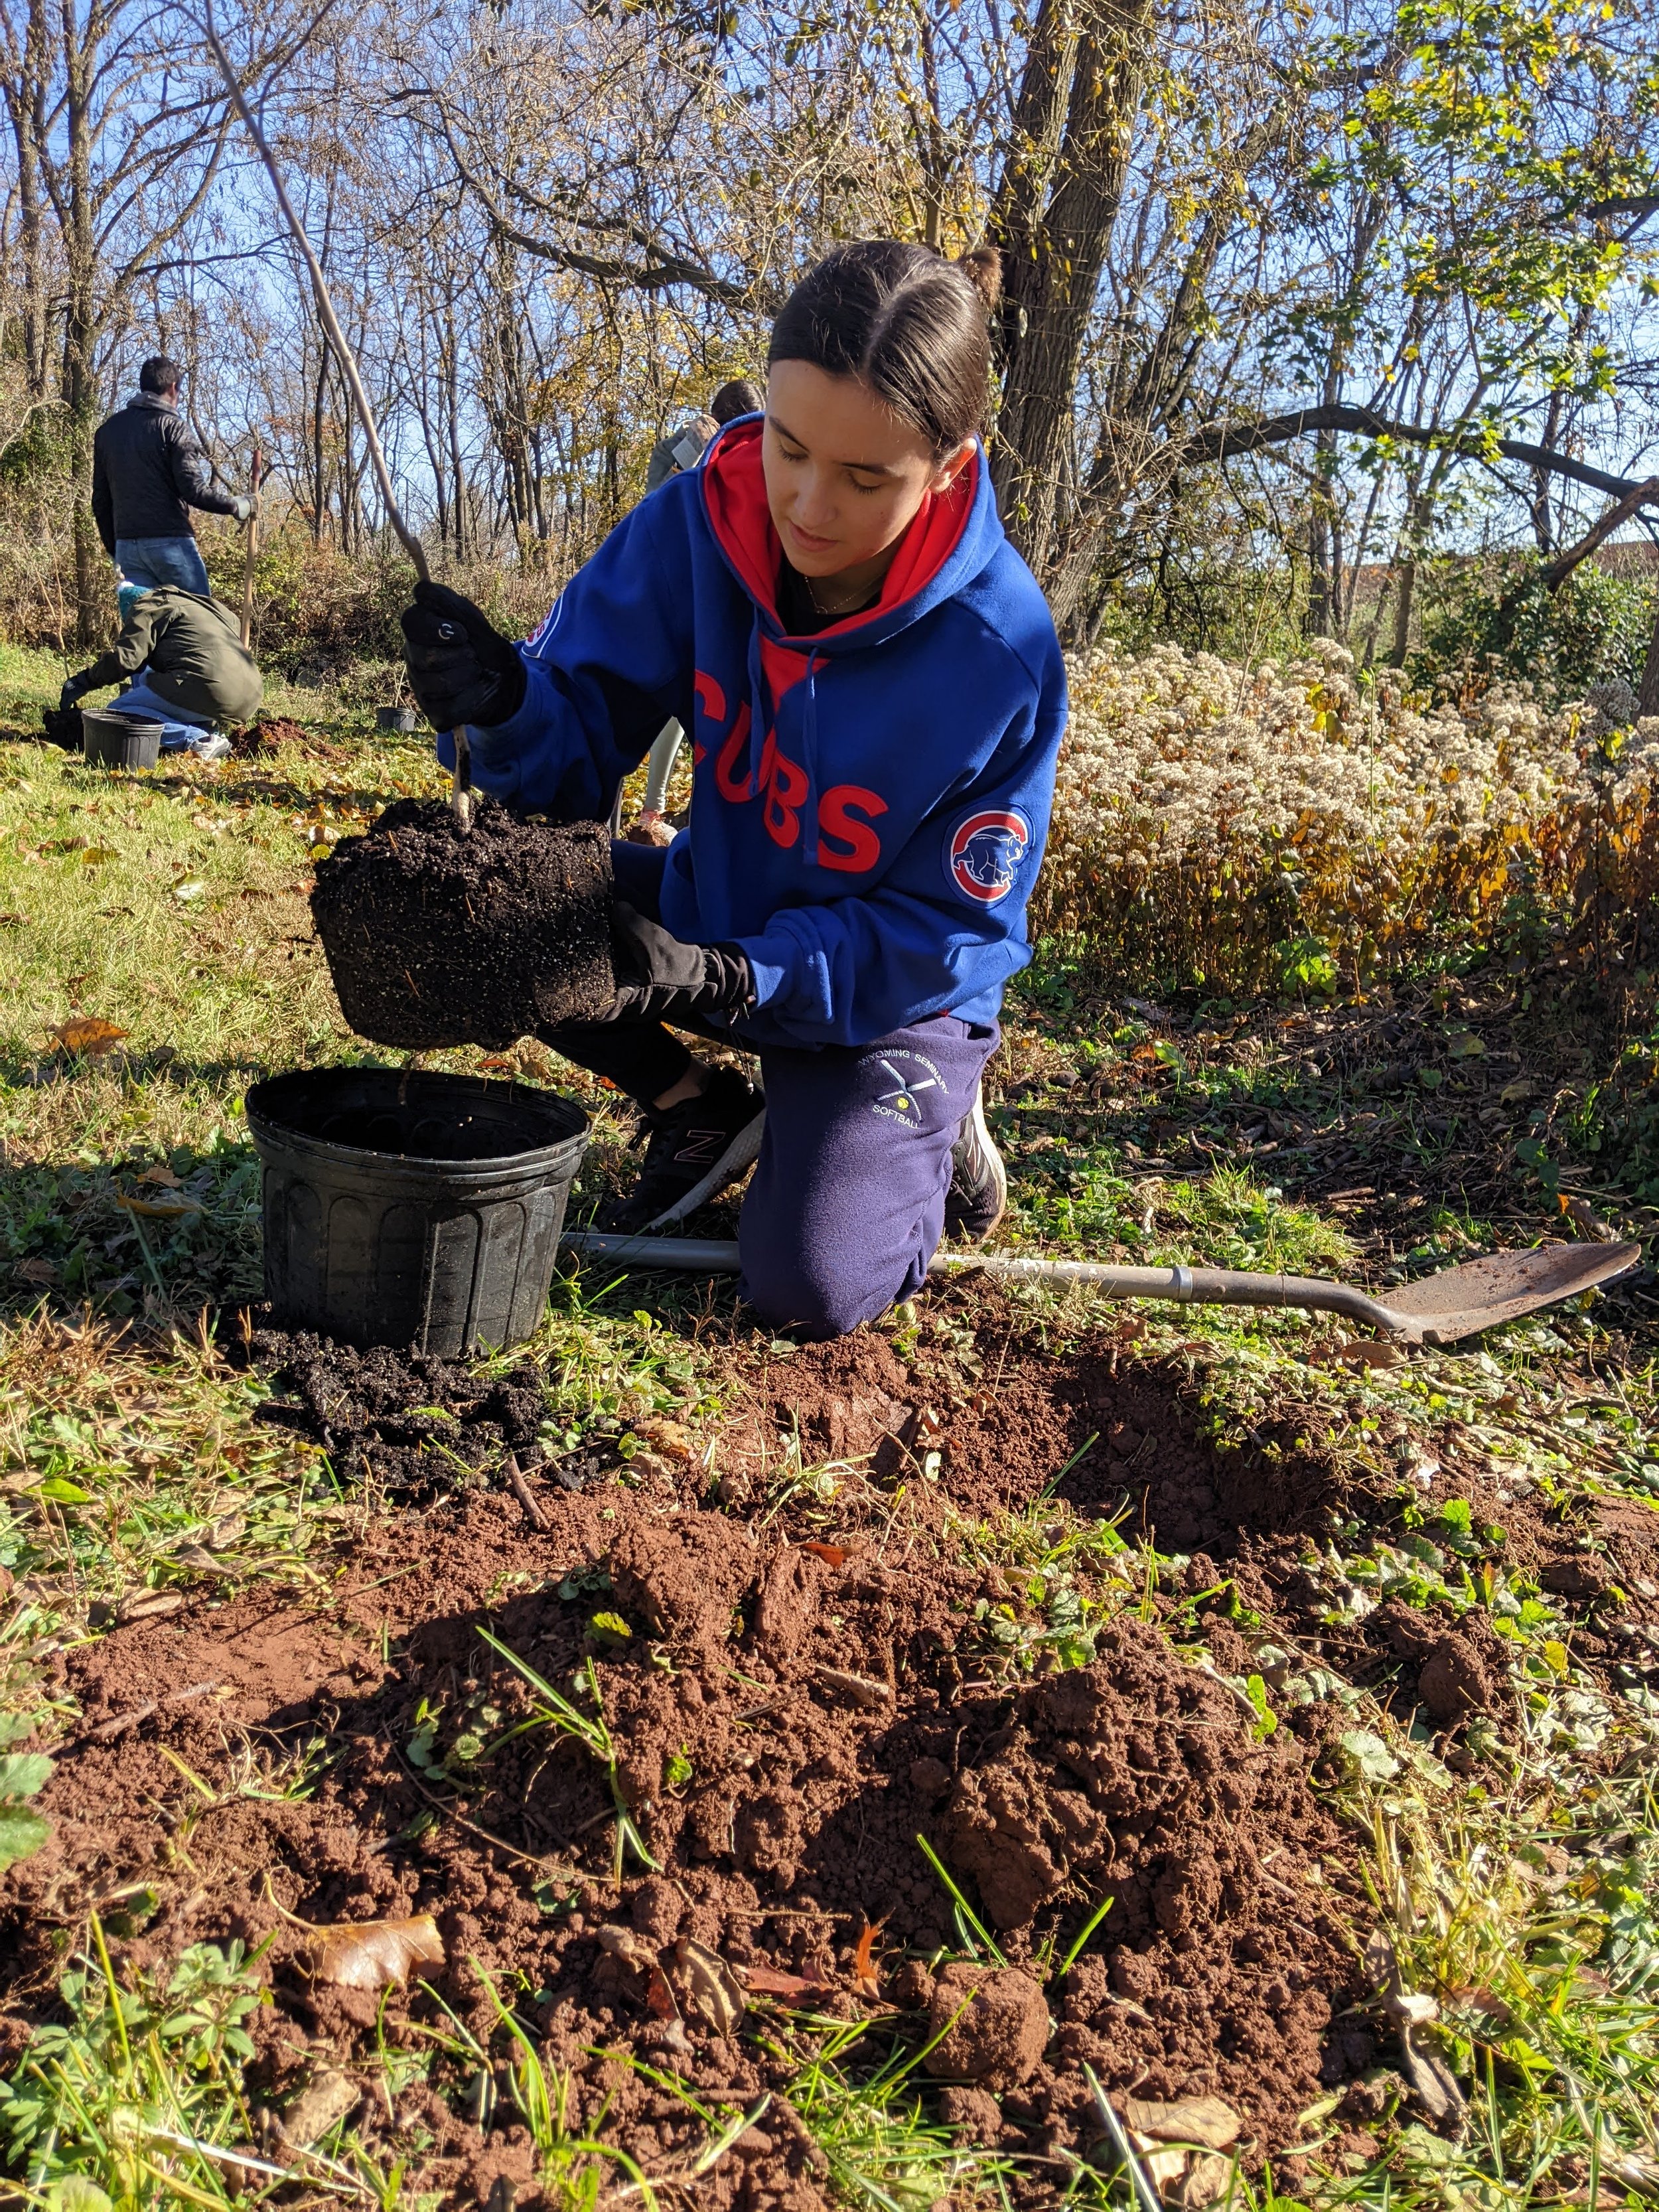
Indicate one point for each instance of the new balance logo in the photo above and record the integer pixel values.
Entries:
(702, 1147)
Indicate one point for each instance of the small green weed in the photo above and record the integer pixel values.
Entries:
(555, 1711)
(138, 2093)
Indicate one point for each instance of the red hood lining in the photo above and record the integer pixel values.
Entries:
(734, 493)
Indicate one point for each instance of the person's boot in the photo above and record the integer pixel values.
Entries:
(693, 1150)
(978, 1196)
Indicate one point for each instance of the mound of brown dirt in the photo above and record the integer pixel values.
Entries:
(413, 1425)
(1110, 1437)
(786, 1722)
(265, 735)
(433, 938)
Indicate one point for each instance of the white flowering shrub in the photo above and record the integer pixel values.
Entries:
(1242, 830)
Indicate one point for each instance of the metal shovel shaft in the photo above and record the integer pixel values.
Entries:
(1441, 1308)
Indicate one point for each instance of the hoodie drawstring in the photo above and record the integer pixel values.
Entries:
(810, 765)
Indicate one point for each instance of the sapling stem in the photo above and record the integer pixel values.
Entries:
(461, 797)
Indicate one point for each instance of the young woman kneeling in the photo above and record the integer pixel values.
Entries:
(875, 693)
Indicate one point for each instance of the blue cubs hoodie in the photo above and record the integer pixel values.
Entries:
(869, 805)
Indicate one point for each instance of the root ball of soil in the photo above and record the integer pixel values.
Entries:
(436, 938)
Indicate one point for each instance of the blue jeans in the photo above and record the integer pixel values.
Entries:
(158, 561)
(178, 724)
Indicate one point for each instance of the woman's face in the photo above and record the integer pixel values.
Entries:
(844, 476)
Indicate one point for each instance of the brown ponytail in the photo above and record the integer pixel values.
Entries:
(908, 324)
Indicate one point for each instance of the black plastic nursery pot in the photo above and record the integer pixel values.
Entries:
(412, 1209)
(111, 740)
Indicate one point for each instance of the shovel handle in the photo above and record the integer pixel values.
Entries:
(461, 784)
(1221, 1286)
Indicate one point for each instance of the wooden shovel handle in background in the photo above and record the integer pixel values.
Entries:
(252, 549)
(461, 789)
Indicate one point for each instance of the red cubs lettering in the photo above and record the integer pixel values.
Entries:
(727, 782)
(786, 787)
(858, 847)
(848, 843)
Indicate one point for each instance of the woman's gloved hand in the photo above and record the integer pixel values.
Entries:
(75, 687)
(461, 669)
(654, 968)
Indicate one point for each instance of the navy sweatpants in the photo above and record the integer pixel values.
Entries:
(846, 1203)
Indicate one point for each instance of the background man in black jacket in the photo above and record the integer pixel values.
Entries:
(148, 471)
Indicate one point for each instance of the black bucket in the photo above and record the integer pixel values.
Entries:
(397, 717)
(112, 740)
(412, 1209)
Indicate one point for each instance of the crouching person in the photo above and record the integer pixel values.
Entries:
(875, 697)
(183, 663)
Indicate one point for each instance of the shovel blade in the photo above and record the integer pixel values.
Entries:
(1461, 1301)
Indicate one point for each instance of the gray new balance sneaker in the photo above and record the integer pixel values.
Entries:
(978, 1196)
(693, 1150)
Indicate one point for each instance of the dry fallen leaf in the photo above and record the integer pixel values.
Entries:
(147, 1605)
(1369, 1351)
(1433, 2082)
(35, 1270)
(773, 1982)
(1414, 2005)
(708, 1985)
(832, 1553)
(162, 1174)
(670, 1437)
(320, 2105)
(87, 1033)
(622, 1943)
(659, 1997)
(862, 1689)
(157, 1209)
(367, 1954)
(1203, 2120)
(1208, 2180)
(865, 1980)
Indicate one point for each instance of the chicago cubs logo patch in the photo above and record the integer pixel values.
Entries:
(543, 629)
(985, 851)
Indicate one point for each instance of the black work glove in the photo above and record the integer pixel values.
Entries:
(461, 669)
(75, 687)
(654, 968)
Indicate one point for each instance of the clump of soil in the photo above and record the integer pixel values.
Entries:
(781, 1740)
(265, 736)
(1454, 1681)
(414, 1426)
(992, 2023)
(62, 726)
(434, 937)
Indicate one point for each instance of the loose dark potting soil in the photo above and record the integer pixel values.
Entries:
(411, 1426)
(433, 938)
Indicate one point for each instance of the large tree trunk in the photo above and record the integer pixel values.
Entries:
(1053, 216)
(1647, 700)
(80, 384)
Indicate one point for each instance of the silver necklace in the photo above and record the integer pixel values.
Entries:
(831, 609)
